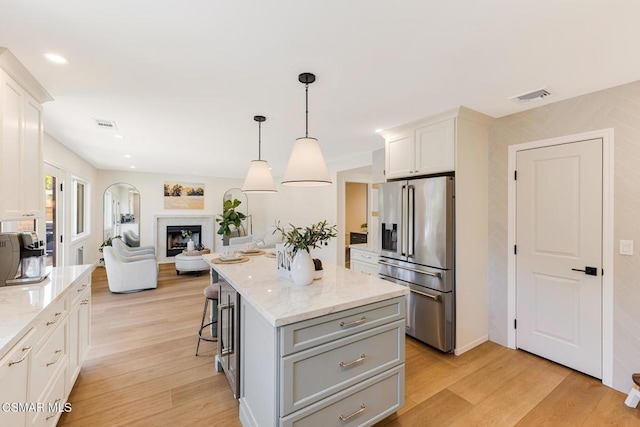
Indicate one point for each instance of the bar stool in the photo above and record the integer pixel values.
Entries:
(210, 294)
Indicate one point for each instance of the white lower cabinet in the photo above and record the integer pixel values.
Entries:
(364, 261)
(37, 374)
(79, 330)
(14, 380)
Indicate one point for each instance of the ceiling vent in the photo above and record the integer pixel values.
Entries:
(106, 124)
(531, 96)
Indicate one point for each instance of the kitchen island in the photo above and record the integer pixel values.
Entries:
(312, 355)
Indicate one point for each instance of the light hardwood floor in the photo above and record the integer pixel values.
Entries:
(142, 371)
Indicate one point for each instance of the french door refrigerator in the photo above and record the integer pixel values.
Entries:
(416, 248)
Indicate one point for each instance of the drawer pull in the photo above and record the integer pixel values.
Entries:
(353, 362)
(354, 323)
(58, 353)
(25, 353)
(359, 411)
(57, 317)
(82, 288)
(433, 297)
(53, 414)
(29, 214)
(84, 302)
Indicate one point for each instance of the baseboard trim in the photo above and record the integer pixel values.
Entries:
(465, 348)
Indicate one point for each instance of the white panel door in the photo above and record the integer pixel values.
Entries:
(559, 231)
(10, 140)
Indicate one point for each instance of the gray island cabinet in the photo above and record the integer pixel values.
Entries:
(331, 353)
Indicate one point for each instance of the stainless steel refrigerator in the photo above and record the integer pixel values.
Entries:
(416, 248)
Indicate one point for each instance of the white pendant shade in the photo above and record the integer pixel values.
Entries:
(259, 179)
(306, 167)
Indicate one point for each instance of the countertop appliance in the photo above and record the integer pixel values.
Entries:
(22, 259)
(416, 248)
(228, 356)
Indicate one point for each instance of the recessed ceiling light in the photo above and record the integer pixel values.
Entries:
(54, 57)
(118, 136)
(379, 130)
(132, 167)
(127, 156)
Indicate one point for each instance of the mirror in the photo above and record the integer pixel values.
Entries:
(121, 211)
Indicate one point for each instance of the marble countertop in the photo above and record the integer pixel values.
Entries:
(20, 305)
(282, 303)
(365, 247)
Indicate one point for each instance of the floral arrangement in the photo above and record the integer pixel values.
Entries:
(307, 238)
(186, 234)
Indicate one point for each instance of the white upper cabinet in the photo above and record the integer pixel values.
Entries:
(21, 134)
(435, 148)
(416, 149)
(400, 155)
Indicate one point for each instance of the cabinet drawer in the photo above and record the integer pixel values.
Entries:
(314, 374)
(309, 333)
(364, 267)
(50, 319)
(364, 256)
(54, 402)
(47, 360)
(78, 288)
(361, 405)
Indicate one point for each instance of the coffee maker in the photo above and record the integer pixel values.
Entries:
(22, 259)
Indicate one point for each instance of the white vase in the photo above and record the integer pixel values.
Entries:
(302, 268)
(190, 246)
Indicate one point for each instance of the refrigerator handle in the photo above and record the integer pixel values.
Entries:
(404, 213)
(412, 199)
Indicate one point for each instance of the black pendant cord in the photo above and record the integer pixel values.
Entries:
(306, 111)
(259, 140)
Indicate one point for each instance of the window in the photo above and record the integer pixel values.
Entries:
(80, 199)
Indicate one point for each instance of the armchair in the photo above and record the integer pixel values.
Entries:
(127, 251)
(131, 238)
(130, 274)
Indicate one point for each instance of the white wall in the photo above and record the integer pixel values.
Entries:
(303, 206)
(72, 166)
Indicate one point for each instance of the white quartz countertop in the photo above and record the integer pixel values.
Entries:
(282, 303)
(365, 247)
(20, 305)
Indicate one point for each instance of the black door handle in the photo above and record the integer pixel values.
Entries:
(591, 271)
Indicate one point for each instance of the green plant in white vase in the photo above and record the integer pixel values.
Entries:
(301, 241)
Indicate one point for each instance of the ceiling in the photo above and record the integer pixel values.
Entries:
(183, 79)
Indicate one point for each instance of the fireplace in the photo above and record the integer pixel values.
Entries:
(176, 243)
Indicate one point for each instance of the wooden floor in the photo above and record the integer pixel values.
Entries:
(142, 371)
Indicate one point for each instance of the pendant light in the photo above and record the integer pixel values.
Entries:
(259, 179)
(306, 167)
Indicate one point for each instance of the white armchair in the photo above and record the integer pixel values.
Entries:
(127, 251)
(130, 274)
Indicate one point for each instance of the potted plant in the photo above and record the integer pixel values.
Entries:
(301, 241)
(230, 217)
